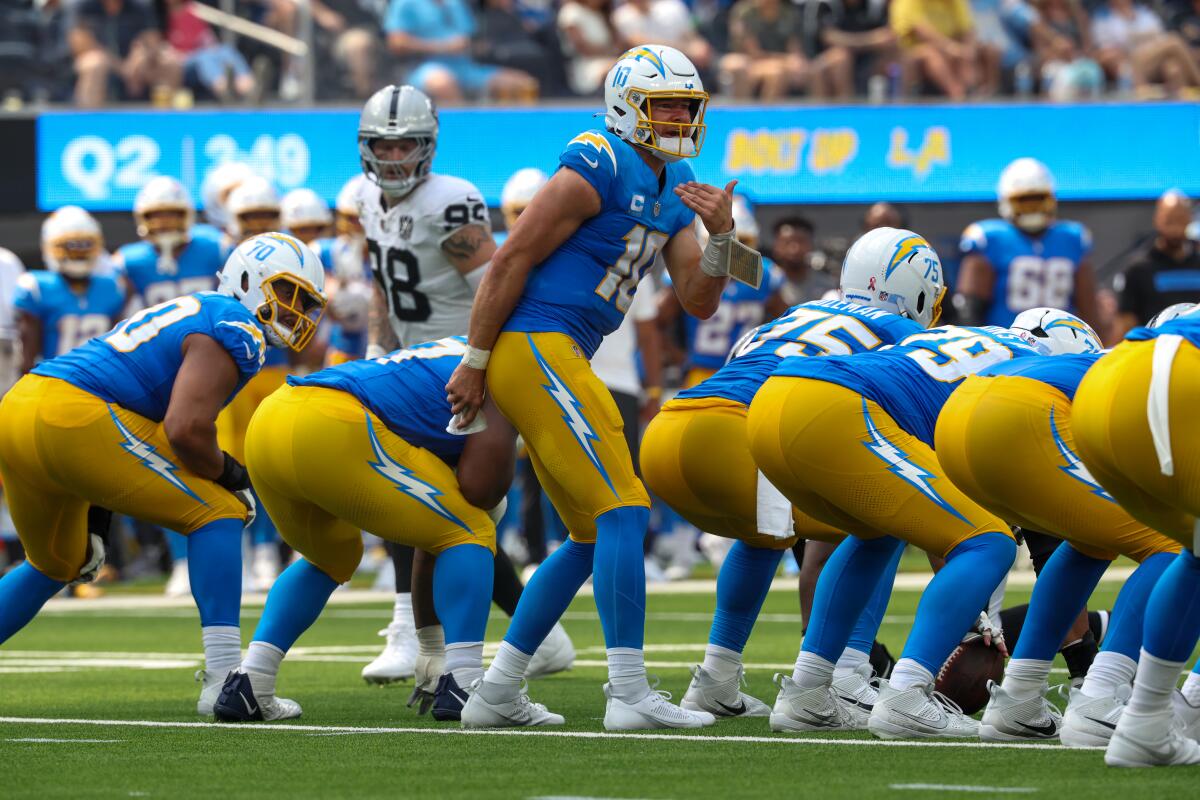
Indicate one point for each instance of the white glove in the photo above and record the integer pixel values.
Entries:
(497, 513)
(91, 569)
(431, 663)
(992, 633)
(246, 496)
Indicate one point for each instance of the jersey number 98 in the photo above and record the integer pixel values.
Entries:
(399, 275)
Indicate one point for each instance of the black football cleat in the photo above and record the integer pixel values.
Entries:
(448, 699)
(238, 703)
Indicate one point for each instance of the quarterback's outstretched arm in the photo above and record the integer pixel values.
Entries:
(557, 211)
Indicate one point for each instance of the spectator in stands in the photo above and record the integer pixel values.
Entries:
(118, 39)
(35, 59)
(792, 251)
(1130, 37)
(348, 29)
(1186, 21)
(589, 42)
(1062, 40)
(1165, 272)
(506, 38)
(1003, 26)
(663, 22)
(209, 67)
(766, 50)
(858, 44)
(434, 37)
(938, 38)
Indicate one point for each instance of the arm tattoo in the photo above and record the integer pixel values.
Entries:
(379, 327)
(463, 245)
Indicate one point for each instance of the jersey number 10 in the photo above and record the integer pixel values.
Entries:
(641, 246)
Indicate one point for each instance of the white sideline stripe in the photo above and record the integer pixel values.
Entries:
(905, 581)
(669, 737)
(573, 797)
(947, 787)
(66, 741)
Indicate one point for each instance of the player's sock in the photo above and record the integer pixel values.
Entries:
(952, 601)
(1079, 656)
(844, 590)
(1172, 628)
(23, 592)
(402, 564)
(402, 610)
(627, 673)
(1026, 677)
(215, 573)
(812, 670)
(177, 544)
(862, 637)
(506, 584)
(742, 586)
(619, 585)
(1109, 670)
(1060, 593)
(909, 673)
(462, 595)
(1191, 686)
(1127, 624)
(504, 675)
(263, 660)
(850, 660)
(548, 594)
(722, 663)
(293, 604)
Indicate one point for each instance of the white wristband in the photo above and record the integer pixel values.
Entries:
(476, 358)
(714, 261)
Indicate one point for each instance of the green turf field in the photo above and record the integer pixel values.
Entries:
(357, 741)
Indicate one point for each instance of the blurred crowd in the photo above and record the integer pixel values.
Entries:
(94, 53)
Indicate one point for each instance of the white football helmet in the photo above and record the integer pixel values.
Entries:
(164, 213)
(305, 215)
(72, 242)
(1056, 330)
(1171, 312)
(345, 209)
(215, 190)
(641, 76)
(1026, 195)
(896, 270)
(282, 282)
(253, 208)
(518, 193)
(398, 112)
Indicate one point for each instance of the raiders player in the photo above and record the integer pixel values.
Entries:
(429, 241)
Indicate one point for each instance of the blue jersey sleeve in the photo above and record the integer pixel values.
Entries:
(775, 278)
(974, 239)
(592, 156)
(28, 297)
(243, 339)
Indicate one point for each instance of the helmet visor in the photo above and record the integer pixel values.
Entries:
(293, 308)
(661, 126)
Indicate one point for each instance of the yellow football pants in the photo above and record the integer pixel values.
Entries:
(1112, 431)
(695, 456)
(696, 376)
(63, 449)
(326, 468)
(571, 427)
(235, 419)
(1007, 442)
(843, 460)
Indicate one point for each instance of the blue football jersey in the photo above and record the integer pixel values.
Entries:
(709, 341)
(69, 319)
(585, 287)
(1187, 326)
(328, 250)
(134, 365)
(816, 328)
(1030, 271)
(406, 389)
(912, 380)
(1063, 372)
(195, 270)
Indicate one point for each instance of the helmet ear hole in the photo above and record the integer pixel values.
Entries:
(921, 303)
(245, 281)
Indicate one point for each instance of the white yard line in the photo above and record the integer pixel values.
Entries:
(66, 741)
(947, 787)
(448, 731)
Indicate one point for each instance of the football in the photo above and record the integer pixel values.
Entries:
(965, 675)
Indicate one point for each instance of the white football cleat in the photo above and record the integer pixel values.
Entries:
(1090, 721)
(856, 695)
(180, 582)
(1150, 740)
(555, 654)
(1007, 719)
(242, 701)
(918, 713)
(519, 712)
(721, 698)
(210, 689)
(398, 661)
(799, 710)
(1187, 716)
(652, 712)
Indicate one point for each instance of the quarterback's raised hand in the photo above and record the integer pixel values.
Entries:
(714, 206)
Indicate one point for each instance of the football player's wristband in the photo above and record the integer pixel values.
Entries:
(714, 261)
(234, 476)
(476, 358)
